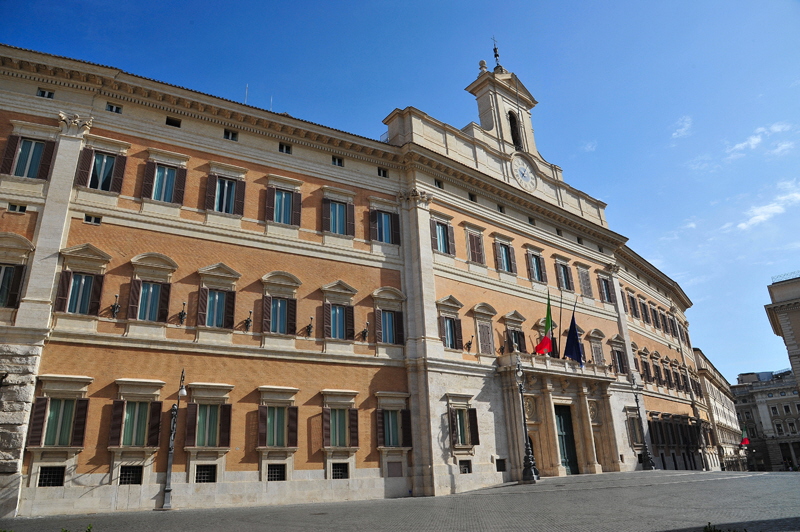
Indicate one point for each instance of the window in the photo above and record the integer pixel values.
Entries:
(559, 232)
(383, 172)
(465, 467)
(442, 237)
(579, 240)
(225, 195)
(80, 293)
(337, 326)
(164, 184)
(384, 226)
(450, 331)
(501, 209)
(504, 257)
(340, 470)
(44, 93)
(29, 158)
(473, 197)
(229, 134)
(774, 410)
(564, 274)
(276, 426)
(276, 472)
(514, 125)
(59, 422)
(792, 428)
(769, 394)
(102, 171)
(17, 208)
(621, 363)
(584, 280)
(516, 341)
(149, 300)
(438, 183)
(215, 316)
(135, 423)
(205, 473)
(338, 425)
(338, 217)
(475, 247)
(51, 476)
(113, 108)
(391, 428)
(787, 409)
(285, 148)
(464, 426)
(207, 426)
(130, 475)
(536, 271)
(10, 283)
(337, 161)
(94, 220)
(174, 122)
(606, 289)
(279, 316)
(531, 221)
(283, 206)
(654, 314)
(500, 464)
(644, 309)
(779, 428)
(390, 327)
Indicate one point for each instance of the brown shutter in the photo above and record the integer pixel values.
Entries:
(191, 425)
(163, 303)
(180, 186)
(7, 166)
(453, 415)
(349, 323)
(84, 167)
(373, 225)
(202, 306)
(459, 339)
(64, 282)
(485, 337)
(434, 236)
(230, 309)
(509, 341)
(263, 412)
(79, 422)
(225, 425)
(542, 268)
(94, 298)
(238, 201)
(291, 426)
(350, 228)
(326, 214)
(154, 424)
(442, 330)
(474, 435)
(560, 275)
(16, 286)
(326, 320)
(353, 426)
(379, 326)
(211, 192)
(512, 256)
(479, 249)
(379, 427)
(326, 427)
(115, 431)
(291, 316)
(451, 240)
(118, 174)
(624, 303)
(529, 265)
(399, 329)
(266, 313)
(47, 160)
(405, 426)
(297, 201)
(569, 277)
(601, 292)
(523, 347)
(133, 299)
(586, 283)
(395, 228)
(270, 211)
(496, 248)
(38, 414)
(149, 179)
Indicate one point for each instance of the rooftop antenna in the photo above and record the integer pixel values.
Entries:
(496, 53)
(246, 90)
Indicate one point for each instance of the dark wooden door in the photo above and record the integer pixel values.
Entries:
(566, 439)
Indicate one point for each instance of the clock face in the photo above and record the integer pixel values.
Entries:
(523, 173)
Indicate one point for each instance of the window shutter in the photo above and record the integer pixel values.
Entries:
(211, 192)
(656, 322)
(79, 422)
(601, 290)
(434, 236)
(529, 265)
(266, 314)
(560, 275)
(291, 316)
(373, 225)
(513, 258)
(326, 214)
(351, 220)
(270, 212)
(36, 429)
(326, 427)
(94, 298)
(451, 240)
(64, 282)
(16, 286)
(202, 306)
(84, 167)
(474, 435)
(230, 309)
(47, 161)
(191, 424)
(115, 431)
(485, 337)
(586, 284)
(7, 166)
(238, 202)
(379, 326)
(614, 361)
(263, 411)
(133, 299)
(225, 425)
(496, 249)
(180, 186)
(118, 174)
(149, 179)
(353, 426)
(625, 304)
(459, 338)
(442, 330)
(326, 320)
(399, 329)
(349, 323)
(379, 427)
(297, 201)
(453, 425)
(291, 426)
(542, 268)
(636, 363)
(163, 303)
(405, 416)
(570, 281)
(522, 345)
(395, 228)
(154, 424)
(633, 306)
(509, 341)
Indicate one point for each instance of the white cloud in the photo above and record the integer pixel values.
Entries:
(779, 127)
(684, 125)
(761, 213)
(690, 225)
(753, 141)
(589, 146)
(782, 148)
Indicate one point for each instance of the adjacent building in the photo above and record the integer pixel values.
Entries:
(784, 314)
(349, 314)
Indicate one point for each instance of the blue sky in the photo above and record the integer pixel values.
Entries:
(683, 116)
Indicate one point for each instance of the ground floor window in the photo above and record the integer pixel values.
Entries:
(206, 473)
(465, 467)
(50, 477)
(340, 470)
(276, 472)
(129, 475)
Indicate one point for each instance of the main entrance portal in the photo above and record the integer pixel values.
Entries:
(566, 439)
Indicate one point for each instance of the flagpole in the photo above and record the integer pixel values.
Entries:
(560, 321)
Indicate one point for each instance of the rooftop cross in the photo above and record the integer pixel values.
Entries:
(496, 53)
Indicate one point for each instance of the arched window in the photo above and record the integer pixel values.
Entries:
(515, 136)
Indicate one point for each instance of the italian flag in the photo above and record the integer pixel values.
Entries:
(546, 345)
(745, 439)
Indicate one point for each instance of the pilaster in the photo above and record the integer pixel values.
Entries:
(591, 465)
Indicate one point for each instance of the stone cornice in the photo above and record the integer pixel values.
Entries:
(626, 254)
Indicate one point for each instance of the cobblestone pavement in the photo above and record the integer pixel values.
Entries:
(637, 502)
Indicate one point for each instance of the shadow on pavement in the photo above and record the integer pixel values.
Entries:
(789, 524)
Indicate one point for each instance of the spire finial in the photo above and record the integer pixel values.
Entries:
(496, 53)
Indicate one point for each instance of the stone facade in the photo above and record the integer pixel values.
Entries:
(349, 314)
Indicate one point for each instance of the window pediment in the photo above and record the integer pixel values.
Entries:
(541, 323)
(153, 266)
(210, 392)
(617, 341)
(284, 182)
(219, 276)
(278, 395)
(450, 304)
(86, 257)
(114, 146)
(65, 386)
(484, 310)
(35, 131)
(280, 283)
(139, 389)
(168, 157)
(227, 170)
(514, 319)
(339, 292)
(580, 331)
(596, 334)
(14, 248)
(339, 398)
(392, 400)
(388, 293)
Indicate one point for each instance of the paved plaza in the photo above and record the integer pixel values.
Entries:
(639, 501)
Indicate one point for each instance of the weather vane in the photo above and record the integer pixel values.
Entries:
(496, 53)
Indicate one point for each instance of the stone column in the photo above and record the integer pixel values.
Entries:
(591, 465)
(551, 463)
(611, 434)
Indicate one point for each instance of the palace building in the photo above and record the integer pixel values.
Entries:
(353, 317)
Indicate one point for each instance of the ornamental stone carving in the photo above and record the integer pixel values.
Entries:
(415, 196)
(74, 125)
(530, 408)
(594, 413)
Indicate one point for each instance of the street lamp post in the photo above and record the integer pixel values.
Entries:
(528, 461)
(173, 428)
(647, 460)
